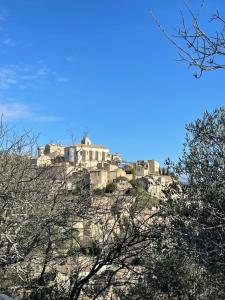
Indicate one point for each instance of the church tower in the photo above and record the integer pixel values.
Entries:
(86, 141)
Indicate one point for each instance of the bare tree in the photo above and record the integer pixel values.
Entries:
(114, 233)
(35, 209)
(121, 229)
(198, 46)
(58, 239)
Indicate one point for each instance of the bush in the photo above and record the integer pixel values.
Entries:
(137, 188)
(110, 188)
(136, 184)
(130, 171)
(99, 192)
(90, 249)
(121, 178)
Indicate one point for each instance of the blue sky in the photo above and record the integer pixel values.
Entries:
(103, 67)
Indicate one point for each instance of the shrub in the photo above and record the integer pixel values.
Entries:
(121, 178)
(136, 184)
(99, 192)
(90, 249)
(110, 188)
(130, 171)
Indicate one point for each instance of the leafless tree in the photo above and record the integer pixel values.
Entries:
(34, 208)
(121, 229)
(198, 46)
(115, 231)
(58, 239)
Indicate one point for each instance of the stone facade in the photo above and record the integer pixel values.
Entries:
(83, 155)
(116, 157)
(147, 167)
(99, 165)
(98, 178)
(86, 155)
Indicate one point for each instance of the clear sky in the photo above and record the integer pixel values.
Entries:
(101, 66)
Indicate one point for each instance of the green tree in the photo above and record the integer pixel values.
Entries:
(187, 261)
(197, 216)
(171, 275)
(202, 209)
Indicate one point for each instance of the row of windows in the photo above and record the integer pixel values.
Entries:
(90, 155)
(93, 155)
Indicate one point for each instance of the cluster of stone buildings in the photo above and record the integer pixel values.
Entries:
(101, 167)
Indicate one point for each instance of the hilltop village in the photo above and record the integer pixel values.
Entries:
(83, 224)
(100, 166)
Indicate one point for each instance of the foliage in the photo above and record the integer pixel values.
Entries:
(187, 261)
(99, 192)
(58, 240)
(130, 170)
(171, 275)
(177, 256)
(136, 189)
(201, 211)
(121, 179)
(111, 187)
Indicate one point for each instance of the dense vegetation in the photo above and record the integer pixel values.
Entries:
(176, 251)
(187, 262)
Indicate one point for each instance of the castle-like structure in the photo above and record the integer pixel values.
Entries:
(99, 165)
(83, 155)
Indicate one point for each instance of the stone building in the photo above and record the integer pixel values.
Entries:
(142, 170)
(153, 166)
(116, 157)
(51, 150)
(98, 178)
(86, 154)
(49, 154)
(146, 167)
(83, 155)
(99, 165)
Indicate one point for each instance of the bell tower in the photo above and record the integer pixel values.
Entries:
(86, 140)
